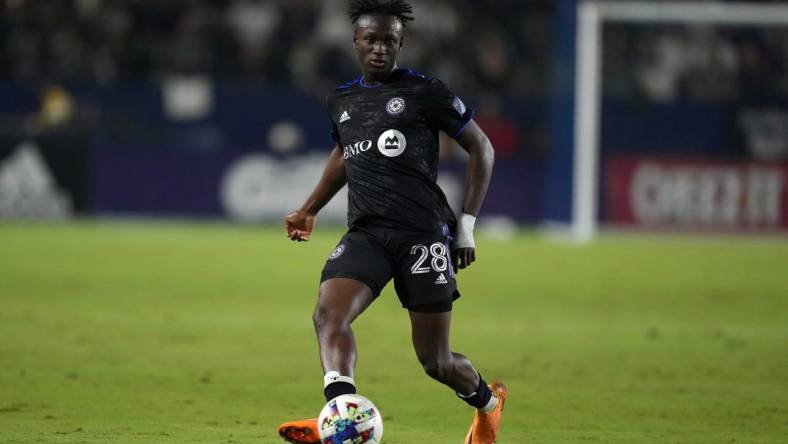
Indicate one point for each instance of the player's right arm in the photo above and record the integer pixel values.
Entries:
(300, 223)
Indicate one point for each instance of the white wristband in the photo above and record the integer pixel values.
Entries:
(464, 235)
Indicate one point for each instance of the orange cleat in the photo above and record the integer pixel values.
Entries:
(484, 429)
(300, 432)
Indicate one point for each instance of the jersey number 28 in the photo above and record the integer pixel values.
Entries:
(440, 258)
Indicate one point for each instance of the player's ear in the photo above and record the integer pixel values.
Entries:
(355, 39)
(401, 41)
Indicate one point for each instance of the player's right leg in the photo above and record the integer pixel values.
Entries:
(353, 276)
(340, 302)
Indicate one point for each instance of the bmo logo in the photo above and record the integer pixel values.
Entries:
(353, 149)
(392, 143)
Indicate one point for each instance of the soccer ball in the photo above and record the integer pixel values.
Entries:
(350, 419)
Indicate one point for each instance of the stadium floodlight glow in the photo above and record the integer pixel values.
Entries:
(591, 17)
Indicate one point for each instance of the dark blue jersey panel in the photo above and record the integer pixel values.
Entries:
(388, 132)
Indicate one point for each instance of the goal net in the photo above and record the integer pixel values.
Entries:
(681, 118)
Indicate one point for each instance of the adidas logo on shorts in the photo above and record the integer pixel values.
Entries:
(441, 280)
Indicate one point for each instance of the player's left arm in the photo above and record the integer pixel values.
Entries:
(477, 180)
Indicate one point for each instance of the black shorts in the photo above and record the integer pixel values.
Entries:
(419, 263)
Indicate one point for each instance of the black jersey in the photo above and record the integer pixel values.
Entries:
(388, 133)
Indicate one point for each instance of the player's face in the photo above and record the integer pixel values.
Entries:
(378, 39)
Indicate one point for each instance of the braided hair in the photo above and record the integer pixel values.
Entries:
(397, 8)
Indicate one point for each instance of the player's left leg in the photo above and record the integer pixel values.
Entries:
(430, 334)
(430, 331)
(426, 286)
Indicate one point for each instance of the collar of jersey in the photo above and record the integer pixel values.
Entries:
(394, 76)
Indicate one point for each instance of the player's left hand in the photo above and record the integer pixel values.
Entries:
(463, 252)
(462, 258)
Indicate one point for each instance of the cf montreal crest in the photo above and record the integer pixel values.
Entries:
(337, 252)
(395, 106)
(392, 143)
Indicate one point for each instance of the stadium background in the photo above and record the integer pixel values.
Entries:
(145, 130)
(159, 105)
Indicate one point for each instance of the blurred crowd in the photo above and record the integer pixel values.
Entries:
(712, 64)
(745, 68)
(496, 52)
(479, 45)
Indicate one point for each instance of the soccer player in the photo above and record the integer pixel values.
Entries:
(385, 125)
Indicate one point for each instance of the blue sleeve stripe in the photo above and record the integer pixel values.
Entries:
(462, 128)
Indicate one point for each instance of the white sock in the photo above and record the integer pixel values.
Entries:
(334, 376)
(491, 404)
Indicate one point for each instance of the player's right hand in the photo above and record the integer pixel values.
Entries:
(299, 225)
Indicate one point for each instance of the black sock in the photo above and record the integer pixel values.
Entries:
(337, 389)
(481, 397)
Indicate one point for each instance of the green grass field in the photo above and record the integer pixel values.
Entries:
(186, 333)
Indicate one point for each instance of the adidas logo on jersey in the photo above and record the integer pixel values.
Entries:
(344, 117)
(441, 280)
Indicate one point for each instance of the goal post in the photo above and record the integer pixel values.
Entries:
(592, 15)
